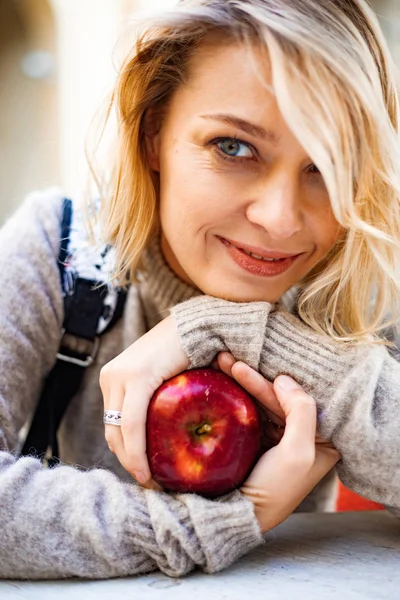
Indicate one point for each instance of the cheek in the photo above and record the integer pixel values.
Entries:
(192, 194)
(326, 230)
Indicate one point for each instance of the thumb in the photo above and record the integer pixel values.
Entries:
(300, 412)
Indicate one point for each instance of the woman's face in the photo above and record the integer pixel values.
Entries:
(234, 180)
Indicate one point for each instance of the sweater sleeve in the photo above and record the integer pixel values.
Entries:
(357, 388)
(64, 522)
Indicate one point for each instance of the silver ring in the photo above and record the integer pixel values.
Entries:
(112, 417)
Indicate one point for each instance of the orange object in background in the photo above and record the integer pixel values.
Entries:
(348, 500)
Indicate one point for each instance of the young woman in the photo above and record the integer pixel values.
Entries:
(258, 161)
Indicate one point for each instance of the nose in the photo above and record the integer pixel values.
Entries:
(276, 206)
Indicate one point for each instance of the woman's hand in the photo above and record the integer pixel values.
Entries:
(128, 382)
(291, 469)
(273, 416)
(287, 473)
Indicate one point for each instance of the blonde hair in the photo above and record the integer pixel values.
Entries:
(334, 82)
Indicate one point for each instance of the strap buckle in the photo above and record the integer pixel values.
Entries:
(83, 352)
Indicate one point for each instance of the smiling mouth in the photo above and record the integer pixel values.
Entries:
(259, 257)
(260, 253)
(256, 264)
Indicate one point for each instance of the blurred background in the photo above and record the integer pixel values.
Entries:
(56, 66)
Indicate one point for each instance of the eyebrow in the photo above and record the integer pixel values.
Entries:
(250, 128)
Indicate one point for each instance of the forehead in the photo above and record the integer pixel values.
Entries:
(225, 73)
(229, 80)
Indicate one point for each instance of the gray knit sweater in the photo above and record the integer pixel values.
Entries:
(87, 518)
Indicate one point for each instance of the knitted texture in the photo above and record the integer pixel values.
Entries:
(86, 518)
(356, 387)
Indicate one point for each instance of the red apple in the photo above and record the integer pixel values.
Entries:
(203, 433)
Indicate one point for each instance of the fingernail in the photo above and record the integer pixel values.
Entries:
(287, 383)
(229, 357)
(255, 374)
(242, 365)
(141, 476)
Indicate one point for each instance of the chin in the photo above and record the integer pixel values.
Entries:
(232, 295)
(253, 298)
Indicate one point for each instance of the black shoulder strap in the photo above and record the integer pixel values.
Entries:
(83, 307)
(65, 233)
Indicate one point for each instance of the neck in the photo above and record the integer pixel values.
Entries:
(160, 287)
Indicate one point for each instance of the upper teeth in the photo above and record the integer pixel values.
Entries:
(260, 257)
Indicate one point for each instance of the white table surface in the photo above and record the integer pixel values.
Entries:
(341, 556)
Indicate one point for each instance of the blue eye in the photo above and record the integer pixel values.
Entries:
(234, 148)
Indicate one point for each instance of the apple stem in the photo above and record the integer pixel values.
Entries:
(206, 428)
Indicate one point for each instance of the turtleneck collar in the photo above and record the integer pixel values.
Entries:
(159, 287)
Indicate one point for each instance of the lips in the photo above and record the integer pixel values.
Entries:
(260, 252)
(259, 266)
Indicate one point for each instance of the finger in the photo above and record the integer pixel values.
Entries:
(225, 362)
(113, 401)
(114, 437)
(133, 428)
(214, 365)
(117, 446)
(115, 441)
(260, 388)
(300, 414)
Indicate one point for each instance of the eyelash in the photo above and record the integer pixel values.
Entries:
(316, 172)
(214, 143)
